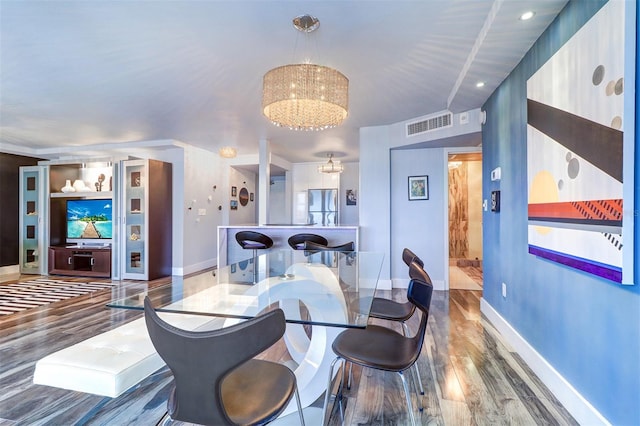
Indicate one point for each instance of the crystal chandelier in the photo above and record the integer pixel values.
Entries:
(305, 96)
(331, 167)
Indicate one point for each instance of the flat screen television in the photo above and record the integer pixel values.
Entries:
(89, 220)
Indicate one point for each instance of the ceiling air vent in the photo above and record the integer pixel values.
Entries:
(429, 124)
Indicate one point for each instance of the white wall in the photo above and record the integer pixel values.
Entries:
(349, 179)
(277, 200)
(376, 212)
(195, 172)
(374, 196)
(305, 176)
(242, 178)
(418, 225)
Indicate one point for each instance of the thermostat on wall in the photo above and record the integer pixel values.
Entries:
(495, 201)
(496, 173)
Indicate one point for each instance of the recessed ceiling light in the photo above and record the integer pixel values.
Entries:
(527, 15)
(480, 84)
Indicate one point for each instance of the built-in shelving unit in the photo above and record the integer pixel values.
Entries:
(139, 193)
(32, 214)
(80, 260)
(102, 194)
(90, 180)
(146, 203)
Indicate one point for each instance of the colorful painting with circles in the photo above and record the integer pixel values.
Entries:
(574, 149)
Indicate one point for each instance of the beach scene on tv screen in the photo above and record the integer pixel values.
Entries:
(89, 219)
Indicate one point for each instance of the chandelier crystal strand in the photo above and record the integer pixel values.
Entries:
(305, 97)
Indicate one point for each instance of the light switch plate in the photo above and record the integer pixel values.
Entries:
(496, 174)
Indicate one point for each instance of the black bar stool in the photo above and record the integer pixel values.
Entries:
(311, 246)
(297, 241)
(251, 240)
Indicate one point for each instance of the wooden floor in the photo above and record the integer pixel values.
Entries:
(471, 377)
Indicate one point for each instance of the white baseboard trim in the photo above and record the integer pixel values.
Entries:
(384, 284)
(196, 267)
(439, 285)
(400, 282)
(570, 398)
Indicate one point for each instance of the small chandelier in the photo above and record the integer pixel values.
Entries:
(227, 152)
(331, 167)
(305, 96)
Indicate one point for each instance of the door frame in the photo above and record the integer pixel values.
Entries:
(447, 152)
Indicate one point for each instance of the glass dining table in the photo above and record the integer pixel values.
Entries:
(321, 293)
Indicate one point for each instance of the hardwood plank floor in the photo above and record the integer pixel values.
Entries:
(470, 376)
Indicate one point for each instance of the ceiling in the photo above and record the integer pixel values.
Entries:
(77, 73)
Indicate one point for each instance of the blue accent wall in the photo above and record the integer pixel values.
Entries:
(587, 328)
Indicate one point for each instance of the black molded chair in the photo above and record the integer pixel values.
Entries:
(382, 348)
(387, 309)
(252, 240)
(390, 310)
(297, 241)
(408, 256)
(216, 381)
(311, 246)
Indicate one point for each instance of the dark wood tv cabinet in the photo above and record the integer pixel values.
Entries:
(84, 261)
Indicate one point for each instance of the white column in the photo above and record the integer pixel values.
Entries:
(288, 195)
(264, 179)
(374, 196)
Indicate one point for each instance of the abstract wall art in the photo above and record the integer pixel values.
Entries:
(575, 104)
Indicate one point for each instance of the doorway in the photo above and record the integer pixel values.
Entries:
(465, 220)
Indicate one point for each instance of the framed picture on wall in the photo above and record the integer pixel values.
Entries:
(244, 196)
(418, 188)
(234, 191)
(352, 198)
(251, 196)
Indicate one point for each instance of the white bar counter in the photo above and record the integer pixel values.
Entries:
(229, 251)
